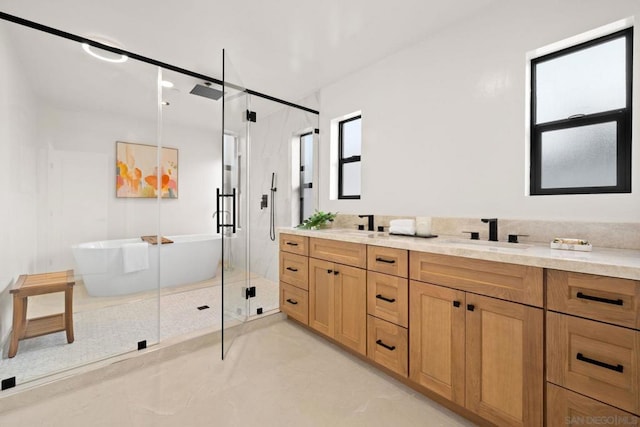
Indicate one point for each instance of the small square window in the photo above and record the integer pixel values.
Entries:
(581, 118)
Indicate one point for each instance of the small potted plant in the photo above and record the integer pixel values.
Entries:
(318, 220)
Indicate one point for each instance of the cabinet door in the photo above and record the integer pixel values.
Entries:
(321, 296)
(436, 339)
(504, 356)
(351, 307)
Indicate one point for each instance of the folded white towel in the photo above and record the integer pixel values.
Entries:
(135, 256)
(402, 226)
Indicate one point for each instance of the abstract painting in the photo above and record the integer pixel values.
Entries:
(137, 171)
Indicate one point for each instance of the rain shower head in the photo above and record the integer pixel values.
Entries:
(207, 92)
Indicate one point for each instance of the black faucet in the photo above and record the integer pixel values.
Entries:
(370, 223)
(493, 228)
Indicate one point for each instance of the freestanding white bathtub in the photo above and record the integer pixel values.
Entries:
(189, 259)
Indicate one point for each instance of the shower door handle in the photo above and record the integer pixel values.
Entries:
(233, 219)
(220, 222)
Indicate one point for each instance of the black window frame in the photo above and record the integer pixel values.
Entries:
(345, 160)
(621, 116)
(303, 184)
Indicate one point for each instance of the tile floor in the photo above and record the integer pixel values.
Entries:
(109, 326)
(279, 375)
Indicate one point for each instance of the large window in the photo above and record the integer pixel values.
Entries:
(581, 118)
(349, 145)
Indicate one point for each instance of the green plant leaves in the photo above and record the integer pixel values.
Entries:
(317, 220)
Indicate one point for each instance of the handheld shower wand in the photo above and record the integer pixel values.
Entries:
(272, 217)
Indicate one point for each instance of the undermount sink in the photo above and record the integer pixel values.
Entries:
(349, 232)
(485, 244)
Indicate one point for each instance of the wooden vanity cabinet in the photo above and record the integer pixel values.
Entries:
(388, 308)
(473, 331)
(338, 293)
(294, 276)
(593, 339)
(483, 353)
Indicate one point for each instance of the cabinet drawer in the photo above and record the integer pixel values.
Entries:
(294, 302)
(294, 244)
(602, 298)
(388, 260)
(594, 359)
(565, 407)
(294, 269)
(512, 282)
(354, 254)
(388, 298)
(388, 345)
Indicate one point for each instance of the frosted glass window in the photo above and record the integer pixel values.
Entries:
(351, 179)
(583, 82)
(351, 137)
(580, 157)
(582, 117)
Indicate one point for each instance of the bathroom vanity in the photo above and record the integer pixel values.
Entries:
(519, 335)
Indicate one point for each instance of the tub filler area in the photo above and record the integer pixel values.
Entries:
(128, 266)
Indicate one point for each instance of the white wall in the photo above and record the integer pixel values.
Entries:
(79, 189)
(444, 124)
(18, 177)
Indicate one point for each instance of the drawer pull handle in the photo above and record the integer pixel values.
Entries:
(292, 269)
(599, 299)
(292, 244)
(336, 272)
(388, 347)
(471, 307)
(388, 261)
(456, 303)
(379, 296)
(617, 368)
(292, 301)
(329, 271)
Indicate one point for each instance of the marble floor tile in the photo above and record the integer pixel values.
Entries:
(106, 327)
(279, 375)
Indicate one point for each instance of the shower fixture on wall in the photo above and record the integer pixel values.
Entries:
(272, 216)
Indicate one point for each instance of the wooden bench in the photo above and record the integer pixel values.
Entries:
(29, 285)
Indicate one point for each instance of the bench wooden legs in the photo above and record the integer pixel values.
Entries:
(68, 314)
(28, 328)
(19, 323)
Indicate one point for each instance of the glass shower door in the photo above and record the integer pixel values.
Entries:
(232, 219)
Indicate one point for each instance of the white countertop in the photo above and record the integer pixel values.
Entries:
(622, 263)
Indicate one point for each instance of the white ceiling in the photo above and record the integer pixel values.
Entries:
(284, 48)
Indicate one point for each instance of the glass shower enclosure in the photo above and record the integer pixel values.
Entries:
(102, 155)
(231, 201)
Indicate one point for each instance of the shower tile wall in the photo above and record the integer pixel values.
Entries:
(19, 152)
(271, 141)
